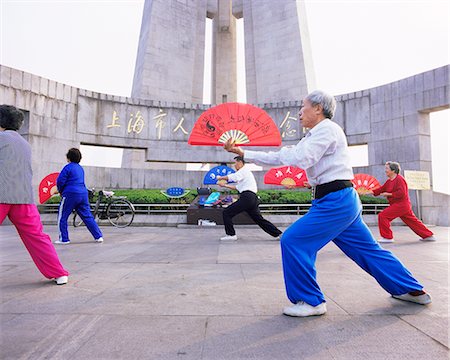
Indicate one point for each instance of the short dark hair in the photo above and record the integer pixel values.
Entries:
(239, 158)
(394, 166)
(11, 118)
(74, 155)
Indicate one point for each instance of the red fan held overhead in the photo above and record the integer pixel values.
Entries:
(364, 182)
(286, 176)
(245, 124)
(47, 187)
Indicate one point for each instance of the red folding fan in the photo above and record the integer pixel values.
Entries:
(245, 124)
(286, 176)
(364, 182)
(47, 187)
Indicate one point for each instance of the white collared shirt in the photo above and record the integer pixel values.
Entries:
(244, 180)
(322, 153)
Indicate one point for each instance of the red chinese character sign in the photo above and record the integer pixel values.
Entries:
(364, 182)
(245, 124)
(47, 187)
(286, 176)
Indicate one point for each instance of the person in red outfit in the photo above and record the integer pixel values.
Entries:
(396, 191)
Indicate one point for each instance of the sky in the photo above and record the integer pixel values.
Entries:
(356, 44)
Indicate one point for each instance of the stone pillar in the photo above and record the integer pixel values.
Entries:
(224, 82)
(170, 60)
(169, 64)
(277, 52)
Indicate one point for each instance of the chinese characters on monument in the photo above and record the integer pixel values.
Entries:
(136, 124)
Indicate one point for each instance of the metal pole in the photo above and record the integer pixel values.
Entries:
(419, 212)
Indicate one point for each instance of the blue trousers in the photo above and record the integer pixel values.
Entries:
(337, 217)
(80, 203)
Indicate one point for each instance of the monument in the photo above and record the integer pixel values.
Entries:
(152, 127)
(170, 59)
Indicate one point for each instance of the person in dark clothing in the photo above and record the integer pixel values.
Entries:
(74, 195)
(248, 201)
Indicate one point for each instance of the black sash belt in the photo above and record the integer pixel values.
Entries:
(321, 190)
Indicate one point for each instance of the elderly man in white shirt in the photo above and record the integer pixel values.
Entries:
(335, 214)
(248, 201)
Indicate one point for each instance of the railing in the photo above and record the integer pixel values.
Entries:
(289, 209)
(164, 209)
(159, 209)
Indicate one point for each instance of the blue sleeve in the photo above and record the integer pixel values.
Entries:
(62, 179)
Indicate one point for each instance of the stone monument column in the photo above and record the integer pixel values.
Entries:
(277, 50)
(169, 63)
(170, 60)
(224, 81)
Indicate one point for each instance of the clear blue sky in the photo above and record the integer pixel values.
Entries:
(92, 44)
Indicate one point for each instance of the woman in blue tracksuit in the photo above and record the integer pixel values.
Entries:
(74, 195)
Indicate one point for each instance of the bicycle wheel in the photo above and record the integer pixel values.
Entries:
(77, 220)
(120, 213)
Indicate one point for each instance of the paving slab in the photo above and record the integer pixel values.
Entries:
(180, 293)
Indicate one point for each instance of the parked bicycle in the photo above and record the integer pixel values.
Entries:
(116, 209)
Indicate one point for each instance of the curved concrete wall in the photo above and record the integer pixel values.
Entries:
(392, 119)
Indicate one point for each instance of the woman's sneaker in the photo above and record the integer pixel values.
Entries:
(385, 241)
(429, 238)
(60, 242)
(62, 280)
(302, 309)
(99, 240)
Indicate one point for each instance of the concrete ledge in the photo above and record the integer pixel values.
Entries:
(139, 220)
(181, 220)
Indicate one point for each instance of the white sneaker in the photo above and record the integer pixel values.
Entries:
(61, 280)
(423, 299)
(384, 240)
(99, 240)
(61, 242)
(429, 238)
(229, 238)
(303, 309)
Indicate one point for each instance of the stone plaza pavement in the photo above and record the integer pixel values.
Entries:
(179, 293)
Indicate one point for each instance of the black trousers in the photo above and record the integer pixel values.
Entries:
(248, 202)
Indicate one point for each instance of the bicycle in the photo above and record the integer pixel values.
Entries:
(117, 209)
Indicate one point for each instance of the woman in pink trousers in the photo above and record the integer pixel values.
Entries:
(16, 196)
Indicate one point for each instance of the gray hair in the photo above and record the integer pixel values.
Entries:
(394, 166)
(327, 101)
(11, 118)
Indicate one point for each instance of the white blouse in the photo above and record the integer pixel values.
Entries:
(322, 153)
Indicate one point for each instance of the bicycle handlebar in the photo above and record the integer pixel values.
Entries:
(105, 193)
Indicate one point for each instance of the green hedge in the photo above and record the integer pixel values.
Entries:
(154, 196)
